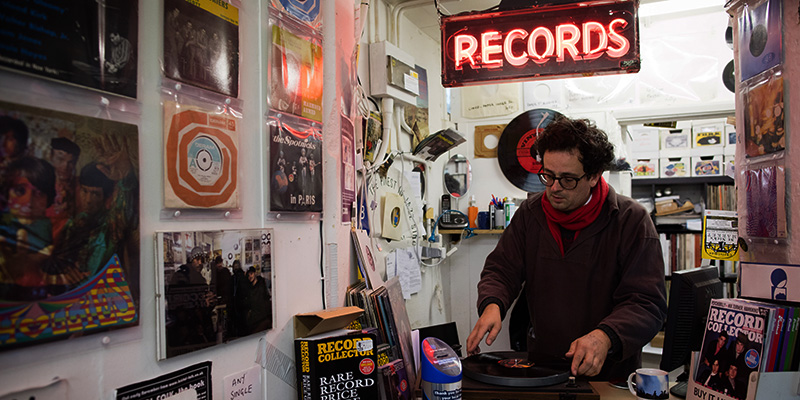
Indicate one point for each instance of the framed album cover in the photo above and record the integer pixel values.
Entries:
(69, 225)
(80, 42)
(295, 153)
(201, 44)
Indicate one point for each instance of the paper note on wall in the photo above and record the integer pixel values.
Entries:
(404, 264)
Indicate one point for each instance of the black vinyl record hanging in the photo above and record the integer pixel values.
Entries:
(729, 77)
(514, 148)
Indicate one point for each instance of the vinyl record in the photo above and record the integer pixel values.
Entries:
(758, 40)
(513, 369)
(514, 148)
(729, 77)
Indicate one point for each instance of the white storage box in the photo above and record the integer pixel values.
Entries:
(645, 168)
(674, 167)
(707, 165)
(675, 139)
(708, 135)
(644, 140)
(730, 139)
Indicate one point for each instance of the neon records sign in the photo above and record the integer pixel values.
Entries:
(578, 39)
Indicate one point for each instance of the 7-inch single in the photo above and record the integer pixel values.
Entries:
(514, 149)
(507, 368)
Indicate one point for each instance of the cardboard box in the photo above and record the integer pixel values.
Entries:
(317, 322)
(707, 165)
(675, 139)
(644, 139)
(674, 167)
(708, 135)
(645, 168)
(730, 138)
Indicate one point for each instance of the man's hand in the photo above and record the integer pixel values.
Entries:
(490, 322)
(588, 353)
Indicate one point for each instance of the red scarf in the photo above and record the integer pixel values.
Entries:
(577, 219)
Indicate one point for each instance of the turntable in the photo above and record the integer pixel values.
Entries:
(507, 375)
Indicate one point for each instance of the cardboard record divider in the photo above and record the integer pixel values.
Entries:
(514, 369)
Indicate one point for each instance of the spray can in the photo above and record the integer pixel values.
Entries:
(509, 209)
(441, 371)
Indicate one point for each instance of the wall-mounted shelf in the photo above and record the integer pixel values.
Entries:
(678, 181)
(475, 231)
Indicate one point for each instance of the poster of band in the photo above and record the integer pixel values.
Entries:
(215, 286)
(201, 44)
(69, 225)
(201, 157)
(295, 73)
(295, 149)
(81, 42)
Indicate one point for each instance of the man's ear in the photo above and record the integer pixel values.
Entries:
(593, 179)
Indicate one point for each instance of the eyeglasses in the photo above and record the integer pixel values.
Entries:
(566, 182)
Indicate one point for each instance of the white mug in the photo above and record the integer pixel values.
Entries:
(649, 383)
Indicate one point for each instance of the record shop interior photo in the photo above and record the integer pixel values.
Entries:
(399, 199)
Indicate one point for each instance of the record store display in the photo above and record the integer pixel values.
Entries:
(200, 158)
(514, 149)
(201, 44)
(513, 369)
(760, 41)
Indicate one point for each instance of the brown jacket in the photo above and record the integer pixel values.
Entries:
(611, 275)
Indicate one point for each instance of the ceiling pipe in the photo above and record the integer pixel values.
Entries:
(395, 21)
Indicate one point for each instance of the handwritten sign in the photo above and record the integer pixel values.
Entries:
(243, 385)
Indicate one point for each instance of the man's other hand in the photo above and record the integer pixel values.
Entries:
(588, 353)
(490, 322)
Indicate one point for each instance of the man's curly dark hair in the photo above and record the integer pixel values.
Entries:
(596, 153)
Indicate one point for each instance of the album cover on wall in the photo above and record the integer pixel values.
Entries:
(348, 182)
(213, 287)
(81, 42)
(765, 189)
(201, 158)
(307, 11)
(765, 132)
(201, 44)
(295, 72)
(760, 38)
(69, 225)
(295, 167)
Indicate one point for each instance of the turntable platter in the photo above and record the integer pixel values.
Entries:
(513, 369)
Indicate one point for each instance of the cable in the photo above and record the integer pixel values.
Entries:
(469, 230)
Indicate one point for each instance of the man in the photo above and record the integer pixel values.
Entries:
(712, 378)
(190, 302)
(590, 260)
(731, 385)
(64, 155)
(738, 352)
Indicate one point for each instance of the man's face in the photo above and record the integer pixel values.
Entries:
(90, 199)
(732, 371)
(721, 341)
(251, 276)
(739, 346)
(25, 200)
(10, 145)
(64, 163)
(715, 366)
(562, 164)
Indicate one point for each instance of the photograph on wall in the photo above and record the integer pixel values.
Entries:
(764, 132)
(348, 182)
(201, 157)
(201, 44)
(214, 286)
(766, 208)
(416, 116)
(192, 382)
(80, 42)
(295, 166)
(69, 225)
(295, 72)
(307, 11)
(760, 31)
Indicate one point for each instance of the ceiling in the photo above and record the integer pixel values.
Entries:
(423, 13)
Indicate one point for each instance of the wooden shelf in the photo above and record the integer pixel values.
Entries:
(686, 180)
(475, 231)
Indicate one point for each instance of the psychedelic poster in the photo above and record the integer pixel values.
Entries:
(81, 42)
(213, 287)
(295, 151)
(201, 158)
(69, 225)
(201, 44)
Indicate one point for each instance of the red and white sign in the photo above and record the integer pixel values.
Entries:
(580, 39)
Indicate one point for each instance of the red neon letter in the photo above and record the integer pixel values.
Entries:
(567, 36)
(514, 34)
(465, 53)
(616, 38)
(488, 50)
(549, 45)
(598, 30)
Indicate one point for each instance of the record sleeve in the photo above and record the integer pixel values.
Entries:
(201, 158)
(514, 148)
(295, 163)
(307, 11)
(760, 38)
(765, 131)
(295, 72)
(80, 42)
(201, 44)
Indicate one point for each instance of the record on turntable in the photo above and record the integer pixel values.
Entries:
(514, 148)
(508, 368)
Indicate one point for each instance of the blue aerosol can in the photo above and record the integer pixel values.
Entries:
(441, 371)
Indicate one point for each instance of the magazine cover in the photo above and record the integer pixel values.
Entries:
(213, 287)
(295, 72)
(201, 157)
(295, 148)
(733, 347)
(69, 225)
(336, 366)
(81, 42)
(201, 44)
